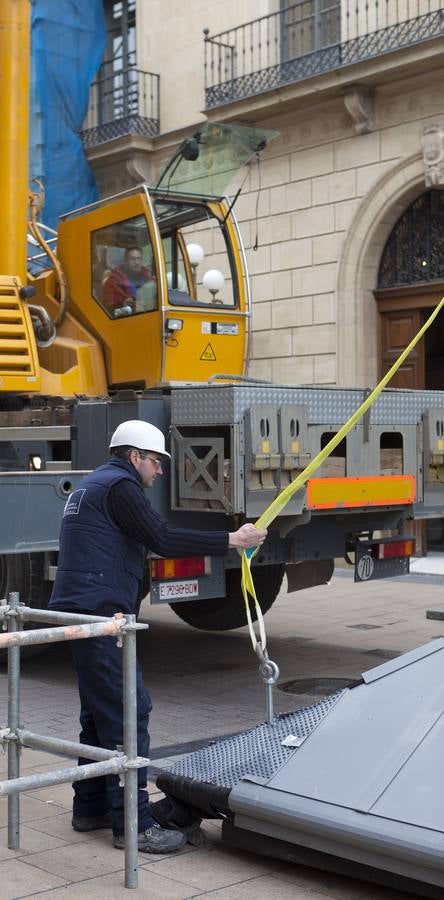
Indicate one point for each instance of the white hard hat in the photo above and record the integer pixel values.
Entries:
(141, 435)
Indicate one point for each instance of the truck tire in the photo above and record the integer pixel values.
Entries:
(23, 572)
(224, 613)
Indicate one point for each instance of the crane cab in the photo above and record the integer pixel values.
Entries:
(159, 279)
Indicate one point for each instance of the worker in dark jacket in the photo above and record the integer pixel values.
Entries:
(108, 524)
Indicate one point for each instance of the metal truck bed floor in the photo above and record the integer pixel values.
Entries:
(364, 789)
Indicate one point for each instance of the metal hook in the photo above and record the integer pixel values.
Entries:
(269, 672)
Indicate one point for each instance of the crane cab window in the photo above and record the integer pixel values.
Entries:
(123, 276)
(198, 254)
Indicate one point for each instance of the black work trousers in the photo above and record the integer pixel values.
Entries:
(98, 663)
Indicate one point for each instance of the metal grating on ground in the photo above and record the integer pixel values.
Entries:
(257, 752)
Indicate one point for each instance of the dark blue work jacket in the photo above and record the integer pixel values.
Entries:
(99, 566)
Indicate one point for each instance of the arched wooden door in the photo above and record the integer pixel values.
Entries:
(398, 328)
(400, 320)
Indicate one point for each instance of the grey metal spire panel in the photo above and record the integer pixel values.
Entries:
(416, 794)
(366, 785)
(376, 734)
(399, 662)
(392, 846)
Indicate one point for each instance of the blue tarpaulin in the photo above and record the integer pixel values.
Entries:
(68, 43)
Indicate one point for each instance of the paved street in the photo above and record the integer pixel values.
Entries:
(204, 685)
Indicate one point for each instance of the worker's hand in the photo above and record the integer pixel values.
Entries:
(246, 536)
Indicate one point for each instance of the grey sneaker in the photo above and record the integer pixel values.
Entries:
(91, 823)
(155, 840)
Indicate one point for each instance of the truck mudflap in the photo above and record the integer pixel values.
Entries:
(351, 784)
(387, 557)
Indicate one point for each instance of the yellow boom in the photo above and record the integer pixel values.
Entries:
(14, 116)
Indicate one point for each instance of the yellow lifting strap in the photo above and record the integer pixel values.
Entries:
(287, 493)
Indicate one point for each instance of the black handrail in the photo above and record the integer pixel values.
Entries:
(122, 101)
(307, 38)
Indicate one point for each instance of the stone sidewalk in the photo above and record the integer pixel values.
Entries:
(205, 685)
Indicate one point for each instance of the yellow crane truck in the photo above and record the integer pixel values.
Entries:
(79, 354)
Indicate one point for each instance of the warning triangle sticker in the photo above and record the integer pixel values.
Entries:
(208, 354)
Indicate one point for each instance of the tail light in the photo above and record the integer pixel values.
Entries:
(392, 549)
(186, 567)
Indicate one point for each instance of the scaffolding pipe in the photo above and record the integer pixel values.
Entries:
(75, 627)
(130, 750)
(15, 786)
(13, 723)
(68, 633)
(72, 749)
(58, 745)
(51, 616)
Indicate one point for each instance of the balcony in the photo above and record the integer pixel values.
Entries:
(122, 102)
(308, 38)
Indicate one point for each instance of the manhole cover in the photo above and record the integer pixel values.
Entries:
(318, 687)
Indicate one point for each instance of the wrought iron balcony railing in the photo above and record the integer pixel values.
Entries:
(309, 37)
(123, 101)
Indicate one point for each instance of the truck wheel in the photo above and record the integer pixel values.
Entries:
(223, 613)
(23, 572)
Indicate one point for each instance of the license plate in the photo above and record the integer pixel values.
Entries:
(175, 590)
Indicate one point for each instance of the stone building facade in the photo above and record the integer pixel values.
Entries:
(358, 144)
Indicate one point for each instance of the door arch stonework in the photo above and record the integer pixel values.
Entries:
(358, 326)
